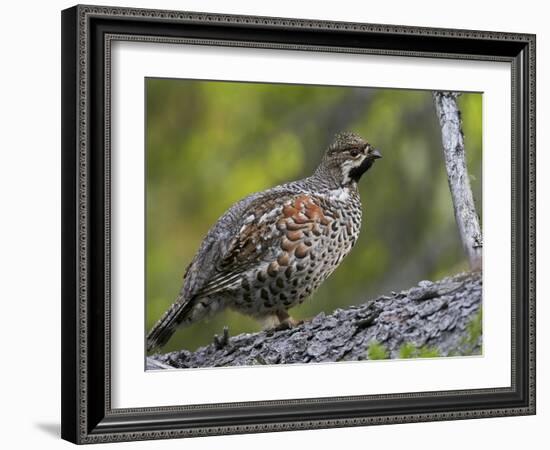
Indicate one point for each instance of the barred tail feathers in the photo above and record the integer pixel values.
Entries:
(163, 330)
(181, 313)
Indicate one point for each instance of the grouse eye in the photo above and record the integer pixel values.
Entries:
(354, 152)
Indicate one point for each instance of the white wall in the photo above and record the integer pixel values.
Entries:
(30, 224)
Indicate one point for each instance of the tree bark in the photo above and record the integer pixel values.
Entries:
(430, 319)
(457, 174)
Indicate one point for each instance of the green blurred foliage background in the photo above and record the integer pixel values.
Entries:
(209, 144)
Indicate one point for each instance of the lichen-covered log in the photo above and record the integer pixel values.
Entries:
(431, 319)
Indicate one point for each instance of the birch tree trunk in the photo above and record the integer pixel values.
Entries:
(457, 173)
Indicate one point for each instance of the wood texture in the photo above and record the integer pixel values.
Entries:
(457, 173)
(433, 316)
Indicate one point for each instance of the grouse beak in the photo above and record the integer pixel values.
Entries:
(375, 154)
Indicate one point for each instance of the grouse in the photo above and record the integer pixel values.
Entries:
(273, 249)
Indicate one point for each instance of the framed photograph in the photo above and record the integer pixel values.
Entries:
(283, 224)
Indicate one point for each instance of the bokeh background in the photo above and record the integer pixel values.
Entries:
(211, 143)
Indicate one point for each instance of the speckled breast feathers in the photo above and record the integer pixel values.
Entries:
(299, 243)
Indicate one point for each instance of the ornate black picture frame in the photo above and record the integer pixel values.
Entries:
(87, 34)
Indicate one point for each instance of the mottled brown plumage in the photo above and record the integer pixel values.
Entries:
(273, 249)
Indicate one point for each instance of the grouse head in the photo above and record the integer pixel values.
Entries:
(348, 158)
